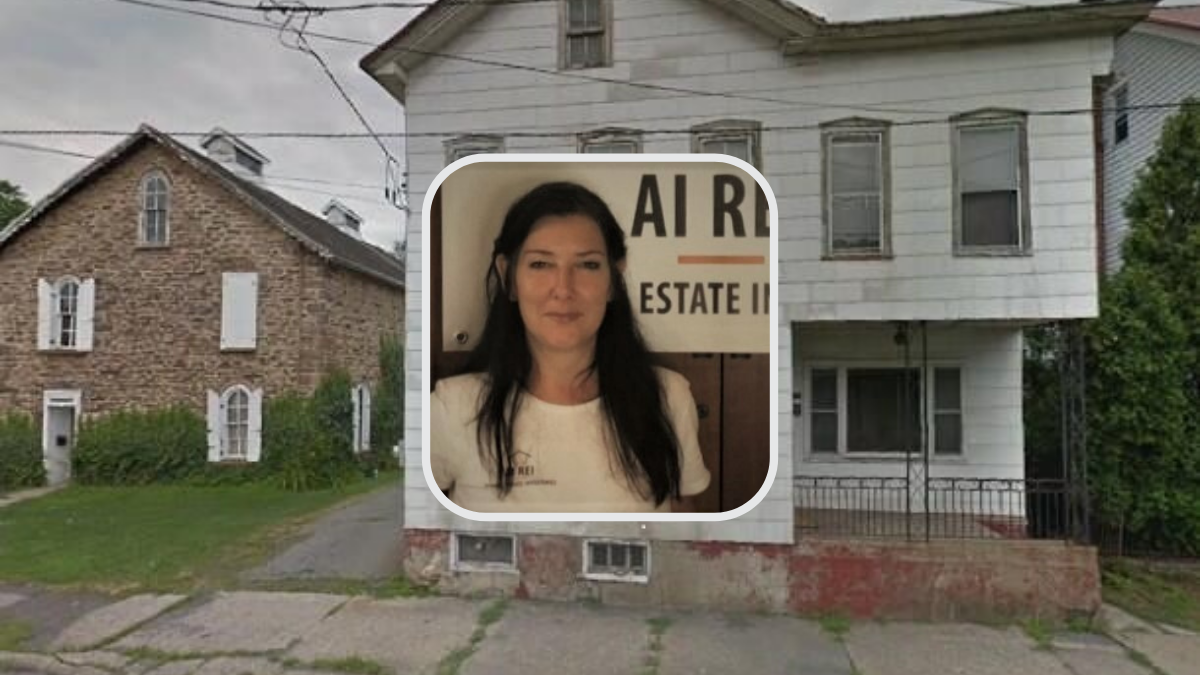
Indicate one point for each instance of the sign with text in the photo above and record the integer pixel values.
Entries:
(698, 234)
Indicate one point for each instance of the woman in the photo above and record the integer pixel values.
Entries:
(562, 409)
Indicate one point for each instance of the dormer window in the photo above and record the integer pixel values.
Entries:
(247, 161)
(155, 198)
(586, 35)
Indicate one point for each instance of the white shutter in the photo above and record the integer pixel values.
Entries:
(45, 304)
(214, 426)
(356, 403)
(254, 433)
(87, 314)
(239, 310)
(366, 418)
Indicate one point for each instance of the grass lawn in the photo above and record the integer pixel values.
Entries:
(155, 537)
(1158, 593)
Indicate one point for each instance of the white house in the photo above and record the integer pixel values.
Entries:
(936, 184)
(1156, 65)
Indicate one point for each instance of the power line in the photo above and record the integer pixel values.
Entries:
(358, 136)
(328, 9)
(45, 149)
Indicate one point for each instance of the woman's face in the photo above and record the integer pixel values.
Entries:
(563, 283)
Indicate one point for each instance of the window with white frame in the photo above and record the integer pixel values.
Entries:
(610, 142)
(876, 410)
(736, 138)
(991, 179)
(472, 144)
(617, 560)
(235, 424)
(65, 314)
(856, 175)
(586, 33)
(155, 210)
(1121, 114)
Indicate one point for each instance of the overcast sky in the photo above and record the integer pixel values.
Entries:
(105, 64)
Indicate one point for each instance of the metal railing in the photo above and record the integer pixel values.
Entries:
(938, 508)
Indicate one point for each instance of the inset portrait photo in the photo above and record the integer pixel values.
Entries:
(598, 336)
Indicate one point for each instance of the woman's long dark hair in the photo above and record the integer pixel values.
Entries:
(632, 397)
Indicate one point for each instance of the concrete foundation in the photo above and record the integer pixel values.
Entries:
(940, 581)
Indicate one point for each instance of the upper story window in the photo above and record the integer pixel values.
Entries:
(586, 35)
(737, 138)
(156, 196)
(1121, 114)
(65, 326)
(472, 144)
(991, 184)
(856, 180)
(611, 141)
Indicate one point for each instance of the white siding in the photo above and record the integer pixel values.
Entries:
(990, 362)
(1157, 69)
(684, 43)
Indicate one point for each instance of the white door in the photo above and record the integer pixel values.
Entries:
(60, 420)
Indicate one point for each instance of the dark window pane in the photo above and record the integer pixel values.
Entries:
(824, 388)
(600, 555)
(618, 555)
(637, 558)
(485, 549)
(882, 412)
(855, 223)
(947, 433)
(990, 219)
(947, 389)
(824, 432)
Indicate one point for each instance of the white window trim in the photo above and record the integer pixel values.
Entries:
(223, 453)
(362, 413)
(606, 18)
(608, 576)
(857, 127)
(927, 391)
(472, 144)
(56, 313)
(458, 565)
(145, 184)
(608, 137)
(730, 130)
(993, 119)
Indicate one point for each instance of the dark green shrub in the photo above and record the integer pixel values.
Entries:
(140, 448)
(333, 407)
(20, 453)
(387, 410)
(298, 453)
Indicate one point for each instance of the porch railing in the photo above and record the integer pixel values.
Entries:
(938, 508)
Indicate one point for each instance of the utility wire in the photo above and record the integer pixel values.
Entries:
(45, 149)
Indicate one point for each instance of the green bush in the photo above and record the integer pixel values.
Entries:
(301, 449)
(140, 448)
(387, 411)
(20, 453)
(333, 407)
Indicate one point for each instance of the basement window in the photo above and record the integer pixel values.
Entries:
(488, 553)
(616, 561)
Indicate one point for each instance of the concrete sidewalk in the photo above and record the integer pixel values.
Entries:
(296, 633)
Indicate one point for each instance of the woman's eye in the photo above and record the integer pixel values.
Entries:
(539, 265)
(592, 265)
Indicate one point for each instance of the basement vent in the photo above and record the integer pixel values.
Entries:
(485, 552)
(617, 560)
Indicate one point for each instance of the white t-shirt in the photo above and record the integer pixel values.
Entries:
(563, 461)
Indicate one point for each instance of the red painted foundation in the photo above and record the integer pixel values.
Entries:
(939, 581)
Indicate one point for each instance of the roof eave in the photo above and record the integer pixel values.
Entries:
(1057, 21)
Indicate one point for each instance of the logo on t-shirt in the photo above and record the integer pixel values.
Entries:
(523, 462)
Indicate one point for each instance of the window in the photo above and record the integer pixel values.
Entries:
(235, 436)
(1121, 116)
(737, 138)
(472, 144)
(611, 141)
(155, 210)
(617, 560)
(876, 410)
(361, 399)
(484, 552)
(586, 37)
(65, 314)
(856, 173)
(235, 425)
(991, 179)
